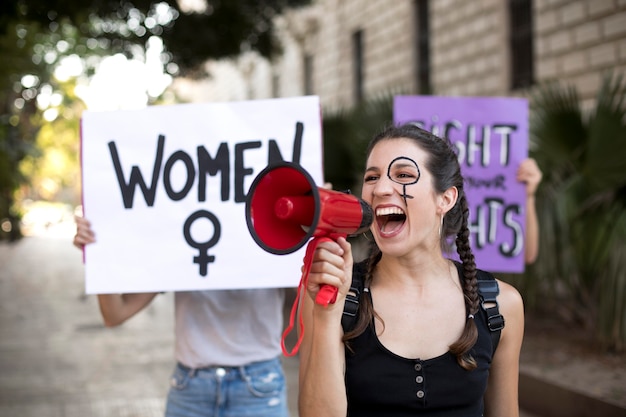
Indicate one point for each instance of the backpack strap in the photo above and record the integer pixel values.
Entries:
(488, 291)
(351, 306)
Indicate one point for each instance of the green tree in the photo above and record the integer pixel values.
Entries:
(582, 205)
(220, 29)
(18, 117)
(35, 35)
(346, 135)
(52, 171)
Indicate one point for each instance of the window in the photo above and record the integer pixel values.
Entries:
(357, 51)
(275, 85)
(521, 43)
(308, 74)
(422, 42)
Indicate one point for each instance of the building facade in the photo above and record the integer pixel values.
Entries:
(347, 51)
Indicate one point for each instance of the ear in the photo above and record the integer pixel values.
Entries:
(447, 199)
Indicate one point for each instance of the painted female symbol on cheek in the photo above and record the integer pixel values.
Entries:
(404, 171)
(203, 259)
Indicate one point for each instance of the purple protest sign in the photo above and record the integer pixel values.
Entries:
(491, 137)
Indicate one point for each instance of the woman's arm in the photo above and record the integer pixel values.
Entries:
(501, 398)
(117, 308)
(322, 389)
(531, 250)
(530, 174)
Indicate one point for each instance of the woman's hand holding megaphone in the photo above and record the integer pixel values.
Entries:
(330, 271)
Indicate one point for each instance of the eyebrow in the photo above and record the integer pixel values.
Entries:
(404, 165)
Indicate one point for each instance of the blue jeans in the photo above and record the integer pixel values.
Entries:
(255, 390)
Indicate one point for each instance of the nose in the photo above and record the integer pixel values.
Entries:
(383, 187)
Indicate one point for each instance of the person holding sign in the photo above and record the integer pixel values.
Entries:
(420, 342)
(227, 347)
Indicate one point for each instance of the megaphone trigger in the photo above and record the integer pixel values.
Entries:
(326, 295)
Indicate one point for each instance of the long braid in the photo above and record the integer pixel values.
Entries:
(468, 338)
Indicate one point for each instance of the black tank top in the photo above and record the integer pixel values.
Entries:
(381, 383)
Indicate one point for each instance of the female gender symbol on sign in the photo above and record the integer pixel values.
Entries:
(203, 257)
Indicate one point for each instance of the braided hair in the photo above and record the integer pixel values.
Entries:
(442, 163)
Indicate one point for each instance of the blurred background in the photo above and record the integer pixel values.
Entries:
(568, 57)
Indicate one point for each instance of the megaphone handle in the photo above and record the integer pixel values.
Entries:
(327, 293)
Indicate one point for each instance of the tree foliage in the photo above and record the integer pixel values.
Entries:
(52, 171)
(36, 34)
(223, 28)
(346, 136)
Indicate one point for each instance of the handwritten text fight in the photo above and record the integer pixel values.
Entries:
(485, 146)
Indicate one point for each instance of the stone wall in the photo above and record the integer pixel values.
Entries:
(575, 41)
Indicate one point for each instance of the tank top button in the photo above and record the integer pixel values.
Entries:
(420, 394)
(419, 379)
(418, 367)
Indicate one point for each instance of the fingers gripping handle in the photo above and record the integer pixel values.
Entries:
(327, 294)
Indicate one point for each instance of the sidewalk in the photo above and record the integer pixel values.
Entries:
(56, 357)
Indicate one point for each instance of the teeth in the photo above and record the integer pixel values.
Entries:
(386, 211)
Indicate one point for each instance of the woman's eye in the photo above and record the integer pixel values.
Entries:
(370, 178)
(404, 171)
(405, 177)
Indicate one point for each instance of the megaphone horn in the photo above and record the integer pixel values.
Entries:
(284, 210)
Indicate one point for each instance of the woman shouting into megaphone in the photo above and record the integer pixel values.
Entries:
(428, 335)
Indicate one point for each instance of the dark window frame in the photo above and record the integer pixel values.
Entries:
(521, 43)
(275, 85)
(307, 67)
(422, 42)
(357, 66)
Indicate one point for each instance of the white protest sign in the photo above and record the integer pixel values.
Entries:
(165, 188)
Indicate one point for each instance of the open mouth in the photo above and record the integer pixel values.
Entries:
(390, 219)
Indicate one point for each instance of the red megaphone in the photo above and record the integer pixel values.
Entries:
(284, 210)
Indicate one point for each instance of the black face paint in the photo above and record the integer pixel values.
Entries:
(404, 171)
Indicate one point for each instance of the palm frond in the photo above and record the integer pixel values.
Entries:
(581, 202)
(605, 165)
(557, 130)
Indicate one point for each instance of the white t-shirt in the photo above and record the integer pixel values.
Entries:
(228, 327)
